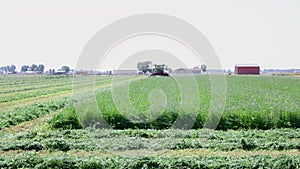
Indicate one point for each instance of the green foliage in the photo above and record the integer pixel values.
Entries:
(253, 102)
(149, 140)
(33, 160)
(38, 92)
(57, 144)
(66, 119)
(269, 105)
(144, 66)
(119, 140)
(65, 68)
(27, 113)
(15, 89)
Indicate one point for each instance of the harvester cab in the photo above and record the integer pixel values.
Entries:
(159, 70)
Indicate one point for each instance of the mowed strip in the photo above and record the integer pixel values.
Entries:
(29, 125)
(8, 97)
(37, 119)
(34, 93)
(19, 81)
(80, 85)
(4, 106)
(31, 87)
(40, 85)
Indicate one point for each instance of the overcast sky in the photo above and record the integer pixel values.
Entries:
(54, 33)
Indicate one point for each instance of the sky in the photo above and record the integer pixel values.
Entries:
(54, 33)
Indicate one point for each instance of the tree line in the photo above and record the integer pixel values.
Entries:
(8, 69)
(39, 68)
(33, 67)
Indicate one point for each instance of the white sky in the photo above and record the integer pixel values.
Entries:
(266, 32)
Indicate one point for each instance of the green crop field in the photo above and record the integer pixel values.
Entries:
(150, 122)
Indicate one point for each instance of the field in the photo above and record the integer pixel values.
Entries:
(149, 122)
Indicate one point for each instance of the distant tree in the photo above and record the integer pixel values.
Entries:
(203, 68)
(66, 69)
(24, 68)
(41, 68)
(3, 69)
(34, 67)
(144, 66)
(13, 69)
(7, 69)
(229, 72)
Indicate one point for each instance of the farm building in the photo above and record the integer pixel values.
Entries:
(244, 69)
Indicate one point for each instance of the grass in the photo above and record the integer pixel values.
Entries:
(152, 140)
(161, 153)
(252, 102)
(258, 129)
(151, 148)
(30, 160)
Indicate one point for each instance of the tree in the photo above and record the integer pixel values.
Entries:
(24, 68)
(13, 69)
(41, 68)
(144, 66)
(34, 67)
(203, 68)
(7, 69)
(3, 69)
(229, 72)
(66, 69)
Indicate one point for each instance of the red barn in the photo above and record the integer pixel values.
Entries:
(247, 69)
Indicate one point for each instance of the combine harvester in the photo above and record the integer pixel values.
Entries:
(159, 70)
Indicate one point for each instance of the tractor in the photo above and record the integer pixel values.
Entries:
(159, 70)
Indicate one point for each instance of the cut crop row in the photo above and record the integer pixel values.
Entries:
(31, 112)
(119, 140)
(33, 160)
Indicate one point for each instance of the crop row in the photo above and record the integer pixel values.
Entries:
(20, 83)
(33, 160)
(45, 90)
(27, 80)
(119, 140)
(35, 93)
(31, 112)
(33, 87)
(48, 84)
